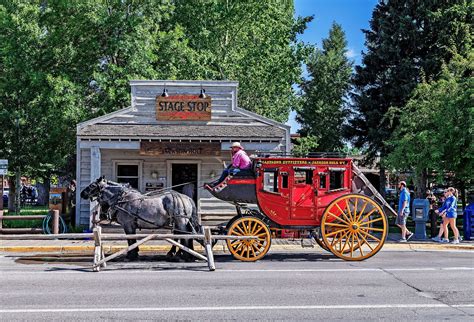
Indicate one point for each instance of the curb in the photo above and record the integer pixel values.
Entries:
(109, 249)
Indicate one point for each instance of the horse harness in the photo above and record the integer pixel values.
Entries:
(116, 206)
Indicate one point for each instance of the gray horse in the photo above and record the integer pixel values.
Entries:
(132, 210)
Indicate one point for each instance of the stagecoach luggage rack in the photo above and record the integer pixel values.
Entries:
(267, 154)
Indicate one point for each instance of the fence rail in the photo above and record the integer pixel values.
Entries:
(53, 213)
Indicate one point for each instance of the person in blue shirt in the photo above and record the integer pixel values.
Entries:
(448, 212)
(403, 212)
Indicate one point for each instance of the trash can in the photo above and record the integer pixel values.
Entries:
(468, 222)
(420, 213)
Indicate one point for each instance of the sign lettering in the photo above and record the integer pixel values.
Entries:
(183, 108)
(317, 162)
(180, 148)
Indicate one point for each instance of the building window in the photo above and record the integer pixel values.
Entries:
(128, 173)
(270, 181)
(336, 180)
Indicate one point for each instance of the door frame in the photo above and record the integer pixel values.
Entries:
(169, 169)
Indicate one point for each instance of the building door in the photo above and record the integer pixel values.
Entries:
(184, 179)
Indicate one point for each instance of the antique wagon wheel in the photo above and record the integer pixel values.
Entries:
(319, 239)
(354, 227)
(252, 249)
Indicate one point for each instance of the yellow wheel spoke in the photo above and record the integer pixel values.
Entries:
(261, 234)
(253, 251)
(355, 209)
(349, 209)
(352, 245)
(336, 225)
(342, 212)
(369, 235)
(236, 242)
(234, 232)
(371, 221)
(367, 216)
(362, 211)
(341, 248)
(257, 231)
(244, 227)
(360, 245)
(335, 232)
(240, 246)
(366, 242)
(345, 242)
(240, 229)
(336, 239)
(337, 217)
(374, 229)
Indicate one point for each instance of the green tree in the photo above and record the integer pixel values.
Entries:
(407, 41)
(436, 130)
(251, 41)
(323, 111)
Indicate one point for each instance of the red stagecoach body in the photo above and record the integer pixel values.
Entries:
(327, 195)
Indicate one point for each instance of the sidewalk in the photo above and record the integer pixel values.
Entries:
(87, 246)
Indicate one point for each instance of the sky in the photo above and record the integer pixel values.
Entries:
(352, 15)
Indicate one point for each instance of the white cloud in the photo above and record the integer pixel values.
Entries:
(350, 53)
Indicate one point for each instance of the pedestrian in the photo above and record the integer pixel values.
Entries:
(448, 212)
(433, 206)
(240, 163)
(403, 212)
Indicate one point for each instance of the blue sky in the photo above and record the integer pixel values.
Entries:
(352, 15)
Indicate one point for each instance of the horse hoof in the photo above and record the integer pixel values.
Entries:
(131, 259)
(174, 259)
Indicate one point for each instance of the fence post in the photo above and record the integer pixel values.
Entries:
(98, 251)
(208, 246)
(55, 222)
(1, 218)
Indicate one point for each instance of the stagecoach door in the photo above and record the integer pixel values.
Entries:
(303, 198)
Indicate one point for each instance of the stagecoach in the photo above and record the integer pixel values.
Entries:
(327, 198)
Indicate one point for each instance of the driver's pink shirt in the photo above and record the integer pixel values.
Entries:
(241, 160)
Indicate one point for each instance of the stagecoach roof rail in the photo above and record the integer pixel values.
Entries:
(266, 154)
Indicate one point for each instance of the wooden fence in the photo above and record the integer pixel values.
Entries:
(53, 213)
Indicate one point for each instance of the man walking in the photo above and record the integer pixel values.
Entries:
(403, 211)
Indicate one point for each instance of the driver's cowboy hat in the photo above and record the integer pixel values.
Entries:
(236, 145)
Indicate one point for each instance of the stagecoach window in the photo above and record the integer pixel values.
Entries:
(336, 180)
(270, 181)
(128, 173)
(284, 180)
(322, 181)
(303, 177)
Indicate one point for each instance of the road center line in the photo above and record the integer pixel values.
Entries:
(237, 308)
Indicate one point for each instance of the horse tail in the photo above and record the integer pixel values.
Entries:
(195, 219)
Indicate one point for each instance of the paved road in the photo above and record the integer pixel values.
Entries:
(393, 285)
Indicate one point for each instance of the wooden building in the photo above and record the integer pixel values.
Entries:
(171, 135)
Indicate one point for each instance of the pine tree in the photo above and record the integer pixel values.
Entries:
(323, 109)
(408, 41)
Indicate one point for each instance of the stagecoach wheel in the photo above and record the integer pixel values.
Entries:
(319, 239)
(249, 250)
(354, 227)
